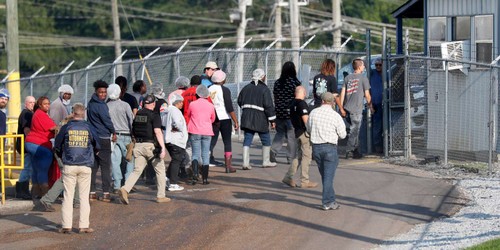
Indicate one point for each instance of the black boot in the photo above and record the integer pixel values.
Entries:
(24, 190)
(18, 190)
(204, 172)
(194, 167)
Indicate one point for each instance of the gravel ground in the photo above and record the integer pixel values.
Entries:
(477, 222)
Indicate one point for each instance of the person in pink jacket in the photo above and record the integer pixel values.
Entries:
(201, 115)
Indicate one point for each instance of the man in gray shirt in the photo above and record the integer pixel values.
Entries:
(122, 118)
(356, 86)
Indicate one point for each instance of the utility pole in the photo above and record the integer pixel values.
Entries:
(240, 37)
(13, 85)
(116, 35)
(240, 32)
(295, 29)
(277, 34)
(337, 24)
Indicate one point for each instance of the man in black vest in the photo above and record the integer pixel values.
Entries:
(146, 130)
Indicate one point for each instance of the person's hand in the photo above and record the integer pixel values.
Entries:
(343, 113)
(163, 153)
(372, 109)
(273, 125)
(236, 126)
(114, 138)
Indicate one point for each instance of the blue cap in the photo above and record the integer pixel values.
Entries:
(4, 93)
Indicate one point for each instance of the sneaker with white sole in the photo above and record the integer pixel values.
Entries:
(332, 206)
(175, 187)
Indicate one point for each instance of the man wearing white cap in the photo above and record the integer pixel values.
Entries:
(122, 117)
(4, 99)
(208, 71)
(256, 101)
(60, 107)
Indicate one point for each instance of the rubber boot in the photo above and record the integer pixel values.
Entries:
(44, 188)
(35, 191)
(266, 163)
(24, 190)
(246, 158)
(18, 190)
(229, 168)
(194, 167)
(204, 173)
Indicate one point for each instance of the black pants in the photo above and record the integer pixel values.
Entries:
(103, 161)
(177, 154)
(225, 128)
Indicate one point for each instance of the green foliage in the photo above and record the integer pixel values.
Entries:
(152, 19)
(488, 245)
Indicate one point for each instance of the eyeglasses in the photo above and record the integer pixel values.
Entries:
(378, 64)
(212, 69)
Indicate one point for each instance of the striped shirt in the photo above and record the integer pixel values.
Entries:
(325, 125)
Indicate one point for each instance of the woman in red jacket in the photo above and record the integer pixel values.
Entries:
(39, 147)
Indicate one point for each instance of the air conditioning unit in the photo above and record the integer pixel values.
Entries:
(457, 50)
(435, 51)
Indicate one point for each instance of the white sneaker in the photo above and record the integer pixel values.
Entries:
(175, 187)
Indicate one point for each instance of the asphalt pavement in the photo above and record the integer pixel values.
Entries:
(250, 210)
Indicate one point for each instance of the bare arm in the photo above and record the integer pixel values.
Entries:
(235, 120)
(369, 100)
(159, 138)
(341, 102)
(305, 118)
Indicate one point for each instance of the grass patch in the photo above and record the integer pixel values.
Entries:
(488, 245)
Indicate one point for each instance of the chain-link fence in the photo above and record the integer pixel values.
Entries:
(448, 113)
(164, 69)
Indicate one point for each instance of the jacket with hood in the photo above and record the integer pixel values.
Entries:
(256, 102)
(98, 117)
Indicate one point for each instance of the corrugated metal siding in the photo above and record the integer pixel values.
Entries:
(462, 7)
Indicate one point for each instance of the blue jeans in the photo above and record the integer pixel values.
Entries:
(41, 158)
(27, 170)
(265, 138)
(201, 146)
(284, 128)
(327, 159)
(119, 152)
(354, 121)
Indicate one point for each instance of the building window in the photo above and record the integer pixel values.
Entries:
(437, 29)
(484, 38)
(461, 28)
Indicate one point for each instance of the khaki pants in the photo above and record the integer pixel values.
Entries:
(304, 156)
(72, 175)
(142, 153)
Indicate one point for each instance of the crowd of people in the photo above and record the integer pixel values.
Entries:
(124, 135)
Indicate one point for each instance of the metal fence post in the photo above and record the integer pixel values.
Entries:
(385, 103)
(33, 76)
(407, 144)
(446, 114)
(368, 111)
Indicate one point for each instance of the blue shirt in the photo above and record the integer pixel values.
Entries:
(376, 87)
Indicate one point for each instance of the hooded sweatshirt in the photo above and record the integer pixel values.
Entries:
(98, 117)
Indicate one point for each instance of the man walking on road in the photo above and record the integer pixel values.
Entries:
(299, 114)
(326, 127)
(146, 130)
(258, 111)
(356, 86)
(76, 144)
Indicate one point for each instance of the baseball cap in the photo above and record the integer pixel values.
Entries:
(149, 99)
(4, 93)
(211, 65)
(218, 76)
(328, 97)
